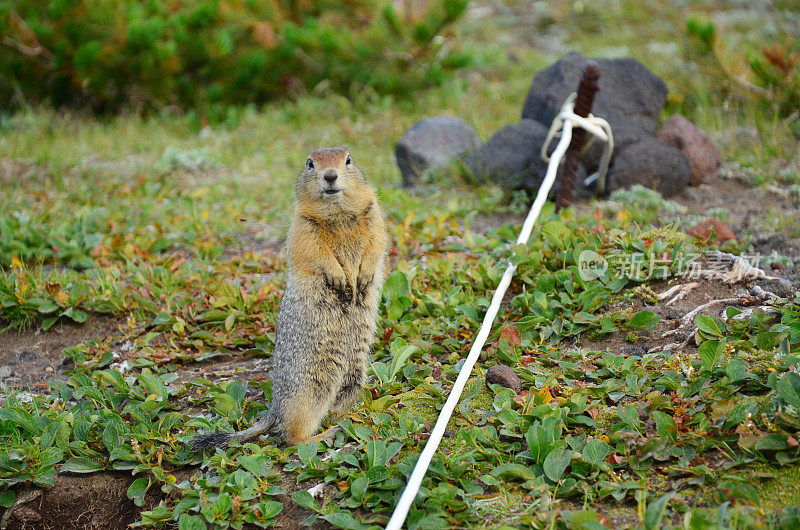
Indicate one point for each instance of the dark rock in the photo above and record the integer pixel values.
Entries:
(629, 351)
(26, 355)
(433, 143)
(703, 230)
(652, 164)
(703, 153)
(511, 157)
(630, 99)
(504, 376)
(779, 286)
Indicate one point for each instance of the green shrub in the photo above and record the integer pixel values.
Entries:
(107, 55)
(773, 75)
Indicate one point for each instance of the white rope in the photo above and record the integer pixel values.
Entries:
(598, 127)
(415, 481)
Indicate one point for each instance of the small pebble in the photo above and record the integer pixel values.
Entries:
(504, 376)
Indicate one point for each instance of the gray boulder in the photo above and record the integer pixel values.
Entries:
(652, 164)
(630, 98)
(510, 158)
(433, 143)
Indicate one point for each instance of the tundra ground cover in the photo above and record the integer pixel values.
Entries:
(172, 233)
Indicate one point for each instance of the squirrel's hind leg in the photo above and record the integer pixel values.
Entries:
(348, 393)
(304, 416)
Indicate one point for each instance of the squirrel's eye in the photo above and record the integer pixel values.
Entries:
(348, 161)
(309, 164)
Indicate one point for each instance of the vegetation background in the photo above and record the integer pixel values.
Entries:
(147, 154)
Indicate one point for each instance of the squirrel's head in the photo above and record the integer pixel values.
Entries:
(329, 177)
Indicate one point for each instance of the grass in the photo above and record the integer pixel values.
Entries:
(165, 224)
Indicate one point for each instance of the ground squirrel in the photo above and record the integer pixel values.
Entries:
(336, 248)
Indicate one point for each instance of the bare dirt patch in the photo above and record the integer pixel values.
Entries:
(31, 358)
(95, 502)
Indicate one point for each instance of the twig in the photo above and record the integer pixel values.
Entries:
(688, 318)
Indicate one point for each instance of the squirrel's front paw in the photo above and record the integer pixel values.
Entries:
(363, 282)
(337, 283)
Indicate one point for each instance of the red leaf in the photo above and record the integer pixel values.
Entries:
(512, 335)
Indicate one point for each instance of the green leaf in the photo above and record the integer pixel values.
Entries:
(556, 230)
(645, 320)
(629, 416)
(162, 319)
(655, 512)
(110, 437)
(191, 522)
(306, 452)
(7, 499)
(768, 340)
(224, 502)
(773, 442)
(343, 520)
(595, 451)
(46, 307)
(394, 310)
(305, 500)
(512, 471)
(788, 386)
(49, 435)
(254, 464)
(238, 390)
(556, 463)
(741, 490)
(710, 352)
(395, 286)
(377, 474)
(708, 325)
(270, 509)
(541, 437)
(399, 359)
(376, 454)
(359, 487)
(230, 321)
(470, 311)
(138, 489)
(153, 385)
(81, 464)
(584, 520)
(665, 425)
(736, 370)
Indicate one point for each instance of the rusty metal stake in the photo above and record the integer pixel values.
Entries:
(583, 106)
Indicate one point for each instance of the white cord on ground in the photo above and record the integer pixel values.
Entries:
(415, 481)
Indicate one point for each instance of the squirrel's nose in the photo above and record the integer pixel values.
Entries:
(331, 175)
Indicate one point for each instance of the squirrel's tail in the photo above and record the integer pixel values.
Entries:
(221, 439)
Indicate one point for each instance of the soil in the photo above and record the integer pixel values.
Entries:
(29, 359)
(93, 502)
(747, 207)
